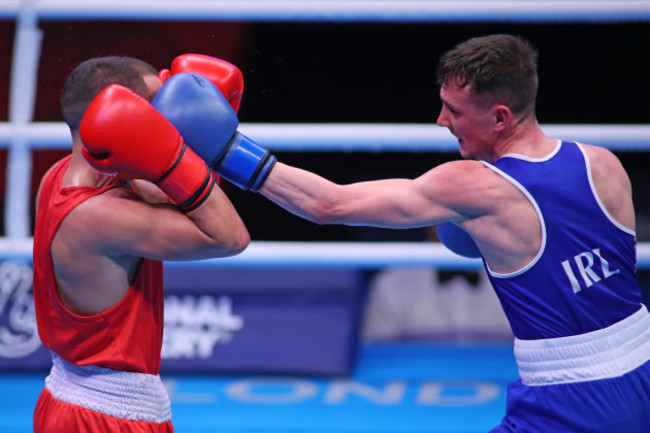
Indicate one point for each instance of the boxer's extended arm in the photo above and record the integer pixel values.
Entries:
(458, 192)
(200, 113)
(388, 203)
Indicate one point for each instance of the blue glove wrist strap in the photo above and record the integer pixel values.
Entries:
(245, 163)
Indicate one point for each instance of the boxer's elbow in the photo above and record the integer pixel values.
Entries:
(229, 243)
(239, 242)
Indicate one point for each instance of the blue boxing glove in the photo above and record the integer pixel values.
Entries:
(207, 122)
(457, 240)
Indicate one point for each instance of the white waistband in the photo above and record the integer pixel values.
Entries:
(122, 394)
(602, 354)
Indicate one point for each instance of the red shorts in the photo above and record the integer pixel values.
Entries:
(54, 416)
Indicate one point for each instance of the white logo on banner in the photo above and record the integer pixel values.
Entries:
(18, 331)
(195, 324)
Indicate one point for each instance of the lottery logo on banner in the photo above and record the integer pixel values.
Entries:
(195, 324)
(18, 331)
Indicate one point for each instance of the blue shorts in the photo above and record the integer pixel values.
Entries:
(615, 405)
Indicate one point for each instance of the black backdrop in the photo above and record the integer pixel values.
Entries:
(362, 72)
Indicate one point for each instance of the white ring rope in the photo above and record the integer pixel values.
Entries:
(338, 10)
(365, 255)
(351, 137)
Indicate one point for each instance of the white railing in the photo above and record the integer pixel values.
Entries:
(336, 10)
(20, 135)
(365, 255)
(351, 137)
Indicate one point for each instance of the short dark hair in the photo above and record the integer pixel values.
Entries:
(501, 66)
(93, 75)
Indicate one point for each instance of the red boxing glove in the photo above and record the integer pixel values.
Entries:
(226, 76)
(125, 137)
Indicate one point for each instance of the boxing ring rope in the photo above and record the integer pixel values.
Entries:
(352, 137)
(338, 10)
(363, 255)
(21, 135)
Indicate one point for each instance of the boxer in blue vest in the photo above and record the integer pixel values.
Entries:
(552, 220)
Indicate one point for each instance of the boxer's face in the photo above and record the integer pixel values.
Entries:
(469, 119)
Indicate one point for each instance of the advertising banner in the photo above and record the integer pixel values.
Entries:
(261, 320)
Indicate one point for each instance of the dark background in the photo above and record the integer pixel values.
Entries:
(358, 72)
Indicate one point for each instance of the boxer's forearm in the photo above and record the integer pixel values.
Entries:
(302, 193)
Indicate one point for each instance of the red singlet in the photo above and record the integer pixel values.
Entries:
(126, 337)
